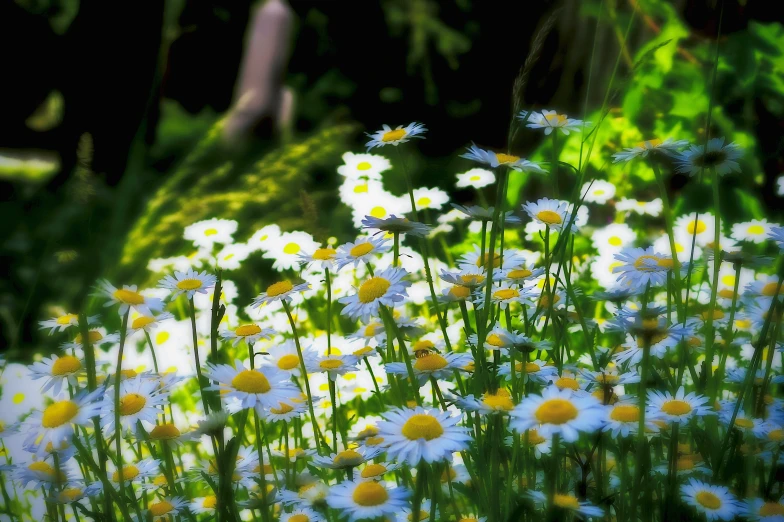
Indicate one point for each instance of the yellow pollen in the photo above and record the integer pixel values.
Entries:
(708, 500)
(567, 382)
(615, 241)
(475, 178)
(164, 432)
(676, 407)
(649, 143)
(744, 423)
(70, 494)
(717, 314)
(128, 472)
(372, 289)
(378, 212)
(770, 509)
(756, 230)
(210, 232)
(422, 426)
(66, 365)
(246, 330)
(361, 249)
(501, 400)
(209, 502)
(769, 289)
(349, 458)
(373, 470)
(520, 273)
(503, 159)
(484, 261)
(132, 403)
(299, 517)
(324, 254)
(726, 293)
(251, 381)
(529, 367)
(776, 435)
(374, 441)
(370, 494)
(460, 292)
(599, 192)
(41, 467)
(625, 413)
(361, 189)
(393, 135)
(430, 363)
(608, 379)
(364, 165)
(288, 362)
(141, 322)
(331, 364)
(566, 501)
(699, 227)
(495, 340)
(291, 248)
(284, 408)
(279, 288)
(93, 336)
(59, 413)
(424, 202)
(548, 217)
(128, 374)
(684, 463)
(128, 297)
(544, 300)
(189, 284)
(66, 319)
(556, 411)
(534, 437)
(506, 293)
(161, 508)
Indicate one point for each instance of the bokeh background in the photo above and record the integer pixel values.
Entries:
(123, 122)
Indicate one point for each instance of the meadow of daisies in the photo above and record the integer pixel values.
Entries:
(577, 356)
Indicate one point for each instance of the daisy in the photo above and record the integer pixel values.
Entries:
(366, 500)
(406, 514)
(476, 178)
(777, 235)
(755, 231)
(668, 146)
(505, 294)
(470, 276)
(280, 291)
(642, 266)
(496, 159)
(389, 136)
(597, 191)
(478, 213)
(472, 261)
(143, 470)
(431, 364)
(520, 274)
(62, 322)
(286, 411)
(140, 400)
(538, 371)
(499, 402)
(700, 226)
(360, 251)
(147, 323)
(56, 370)
(323, 256)
(200, 505)
(127, 297)
(284, 357)
(430, 198)
(231, 256)
(760, 510)
(722, 158)
(387, 288)
(301, 514)
(264, 387)
(396, 225)
(41, 474)
(346, 459)
(206, 233)
(55, 424)
(334, 365)
(94, 337)
(261, 238)
(715, 502)
(250, 333)
(652, 208)
(566, 502)
(558, 411)
(187, 283)
(677, 408)
(613, 238)
(552, 213)
(167, 508)
(363, 166)
(284, 250)
(412, 435)
(549, 120)
(623, 418)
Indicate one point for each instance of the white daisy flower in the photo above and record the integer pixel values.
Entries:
(476, 178)
(497, 159)
(41, 474)
(324, 257)
(250, 333)
(334, 365)
(777, 235)
(499, 402)
(433, 198)
(57, 369)
(363, 250)
(683, 248)
(147, 323)
(715, 502)
(143, 470)
(722, 158)
(558, 411)
(431, 364)
(550, 212)
(286, 411)
(406, 514)
(187, 283)
(538, 371)
(366, 500)
(380, 205)
(623, 418)
(566, 502)
(701, 226)
(201, 505)
(641, 266)
(280, 291)
(505, 294)
(668, 146)
(651, 208)
(363, 166)
(302, 514)
(348, 458)
(374, 471)
(62, 322)
(140, 400)
(755, 231)
(261, 388)
(284, 357)
(597, 191)
(760, 510)
(206, 233)
(128, 297)
(94, 337)
(285, 249)
(472, 261)
(231, 256)
(678, 408)
(55, 424)
(613, 238)
(412, 435)
(549, 120)
(167, 508)
(389, 136)
(387, 288)
(262, 238)
(396, 225)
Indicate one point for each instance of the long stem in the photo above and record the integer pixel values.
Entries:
(117, 381)
(202, 381)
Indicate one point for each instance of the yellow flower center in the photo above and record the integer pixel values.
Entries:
(209, 502)
(643, 263)
(475, 279)
(506, 293)
(189, 284)
(769, 509)
(744, 423)
(684, 464)
(615, 241)
(548, 217)
(373, 470)
(93, 336)
(460, 292)
(250, 381)
(769, 289)
(708, 500)
(423, 515)
(299, 517)
(495, 340)
(699, 227)
(676, 407)
(776, 435)
(141, 322)
(567, 382)
(66, 319)
(59, 413)
(128, 472)
(520, 273)
(717, 314)
(566, 501)
(608, 378)
(164, 432)
(370, 494)
(324, 254)
(66, 365)
(503, 159)
(534, 437)
(210, 232)
(424, 202)
(161, 508)
(625, 413)
(430, 363)
(284, 408)
(529, 367)
(288, 362)
(483, 261)
(279, 288)
(361, 189)
(756, 230)
(361, 249)
(555, 411)
(726, 293)
(372, 289)
(331, 364)
(364, 165)
(132, 403)
(393, 135)
(422, 426)
(555, 118)
(347, 458)
(246, 330)
(649, 144)
(378, 212)
(475, 178)
(128, 297)
(374, 441)
(501, 400)
(70, 494)
(544, 300)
